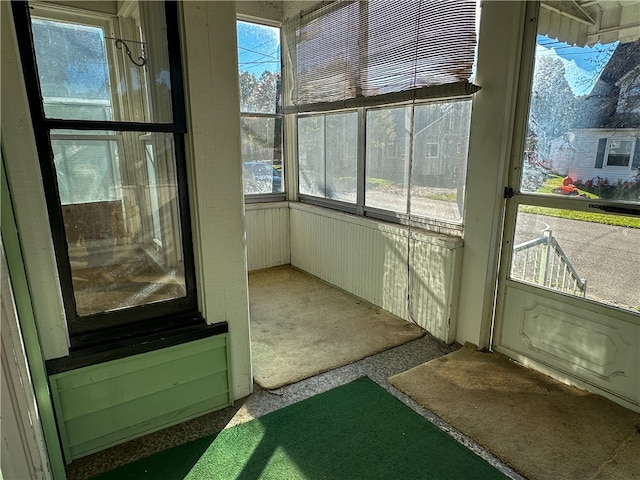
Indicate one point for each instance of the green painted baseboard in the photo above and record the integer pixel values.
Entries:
(102, 405)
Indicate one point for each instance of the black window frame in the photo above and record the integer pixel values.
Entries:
(136, 321)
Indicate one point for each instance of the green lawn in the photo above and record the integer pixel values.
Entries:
(555, 182)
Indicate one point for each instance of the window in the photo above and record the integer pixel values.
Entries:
(383, 121)
(105, 96)
(619, 153)
(327, 150)
(261, 113)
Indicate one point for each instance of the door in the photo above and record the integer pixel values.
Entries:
(569, 285)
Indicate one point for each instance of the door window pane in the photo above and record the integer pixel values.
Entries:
(591, 255)
(121, 217)
(86, 74)
(583, 132)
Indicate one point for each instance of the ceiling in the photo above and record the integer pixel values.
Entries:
(587, 22)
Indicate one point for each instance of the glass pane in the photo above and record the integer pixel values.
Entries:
(387, 153)
(311, 155)
(327, 151)
(261, 139)
(85, 74)
(583, 136)
(341, 157)
(259, 68)
(591, 255)
(440, 147)
(120, 211)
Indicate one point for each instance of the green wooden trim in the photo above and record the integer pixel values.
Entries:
(26, 317)
(105, 404)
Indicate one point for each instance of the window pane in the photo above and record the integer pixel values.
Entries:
(87, 75)
(311, 156)
(440, 147)
(262, 154)
(387, 153)
(259, 68)
(72, 65)
(341, 157)
(121, 217)
(327, 153)
(594, 255)
(583, 136)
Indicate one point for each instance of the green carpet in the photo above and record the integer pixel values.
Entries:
(355, 431)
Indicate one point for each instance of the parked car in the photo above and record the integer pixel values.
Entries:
(261, 177)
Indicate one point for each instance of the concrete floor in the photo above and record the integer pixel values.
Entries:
(378, 367)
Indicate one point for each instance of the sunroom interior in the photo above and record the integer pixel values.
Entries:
(222, 138)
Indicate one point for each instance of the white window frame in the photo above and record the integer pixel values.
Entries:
(272, 196)
(360, 208)
(605, 162)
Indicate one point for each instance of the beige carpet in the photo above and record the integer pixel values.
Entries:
(540, 427)
(302, 326)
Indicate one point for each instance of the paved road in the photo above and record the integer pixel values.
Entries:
(607, 256)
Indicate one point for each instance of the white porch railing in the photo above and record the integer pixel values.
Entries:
(542, 261)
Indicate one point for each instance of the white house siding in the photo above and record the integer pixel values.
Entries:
(577, 157)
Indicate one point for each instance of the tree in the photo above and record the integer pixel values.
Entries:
(553, 105)
(260, 95)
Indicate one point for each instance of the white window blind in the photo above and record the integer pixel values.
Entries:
(347, 54)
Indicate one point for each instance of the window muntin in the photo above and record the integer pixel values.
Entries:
(115, 178)
(261, 119)
(327, 156)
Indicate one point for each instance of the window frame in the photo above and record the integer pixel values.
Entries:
(264, 197)
(630, 155)
(360, 208)
(140, 320)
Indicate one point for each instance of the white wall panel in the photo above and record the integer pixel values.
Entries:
(368, 258)
(267, 229)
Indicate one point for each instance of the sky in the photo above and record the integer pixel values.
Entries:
(583, 65)
(258, 48)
